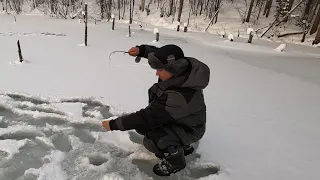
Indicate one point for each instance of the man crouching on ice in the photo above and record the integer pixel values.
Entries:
(176, 114)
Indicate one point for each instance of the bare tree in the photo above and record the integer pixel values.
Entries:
(250, 10)
(317, 39)
(260, 5)
(171, 2)
(307, 9)
(217, 6)
(143, 3)
(124, 8)
(289, 8)
(267, 8)
(180, 10)
(119, 9)
(130, 13)
(316, 21)
(276, 22)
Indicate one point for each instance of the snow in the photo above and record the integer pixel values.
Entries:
(51, 170)
(249, 30)
(155, 31)
(11, 146)
(262, 118)
(230, 37)
(281, 47)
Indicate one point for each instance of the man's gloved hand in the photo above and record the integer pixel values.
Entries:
(134, 51)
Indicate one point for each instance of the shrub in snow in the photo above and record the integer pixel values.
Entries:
(281, 48)
(230, 37)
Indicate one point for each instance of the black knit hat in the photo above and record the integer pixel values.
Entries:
(169, 57)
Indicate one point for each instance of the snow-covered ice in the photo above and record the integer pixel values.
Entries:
(263, 106)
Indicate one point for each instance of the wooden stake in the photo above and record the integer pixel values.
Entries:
(185, 27)
(86, 25)
(250, 37)
(113, 20)
(129, 31)
(19, 52)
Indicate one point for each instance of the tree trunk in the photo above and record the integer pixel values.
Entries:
(201, 7)
(130, 13)
(119, 9)
(174, 12)
(189, 17)
(266, 7)
(307, 9)
(316, 23)
(260, 8)
(170, 7)
(109, 6)
(180, 10)
(207, 5)
(317, 39)
(102, 6)
(143, 3)
(250, 10)
(218, 2)
(215, 14)
(269, 8)
(124, 8)
(133, 1)
(289, 8)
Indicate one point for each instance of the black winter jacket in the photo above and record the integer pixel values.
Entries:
(177, 103)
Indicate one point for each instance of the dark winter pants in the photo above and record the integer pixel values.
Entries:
(159, 140)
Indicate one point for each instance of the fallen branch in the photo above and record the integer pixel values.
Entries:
(215, 14)
(282, 19)
(290, 34)
(261, 28)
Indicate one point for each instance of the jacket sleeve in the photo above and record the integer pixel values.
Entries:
(158, 113)
(144, 50)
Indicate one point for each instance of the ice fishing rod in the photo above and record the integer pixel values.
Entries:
(124, 52)
(137, 59)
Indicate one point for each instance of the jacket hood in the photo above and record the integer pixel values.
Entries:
(199, 75)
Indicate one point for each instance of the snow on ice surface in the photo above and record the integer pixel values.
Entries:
(263, 106)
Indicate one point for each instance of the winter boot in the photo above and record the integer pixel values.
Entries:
(173, 162)
(188, 150)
